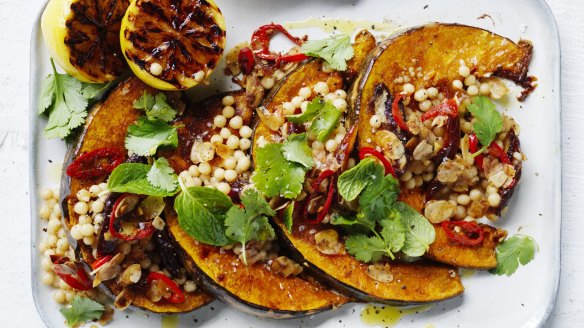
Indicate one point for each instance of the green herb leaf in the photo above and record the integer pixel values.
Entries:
(419, 231)
(62, 100)
(81, 310)
(379, 198)
(250, 222)
(144, 137)
(394, 236)
(336, 50)
(133, 178)
(296, 149)
(325, 123)
(288, 217)
(365, 249)
(312, 110)
(161, 175)
(93, 91)
(354, 225)
(488, 121)
(513, 251)
(201, 213)
(156, 107)
(352, 182)
(274, 175)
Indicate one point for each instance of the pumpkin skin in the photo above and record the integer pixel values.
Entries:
(106, 126)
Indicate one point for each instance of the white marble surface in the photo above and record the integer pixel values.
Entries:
(17, 308)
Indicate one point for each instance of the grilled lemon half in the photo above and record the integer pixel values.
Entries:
(172, 44)
(83, 37)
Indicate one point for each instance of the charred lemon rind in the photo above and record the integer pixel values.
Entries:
(152, 70)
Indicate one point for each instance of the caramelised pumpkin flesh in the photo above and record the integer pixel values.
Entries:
(106, 126)
(402, 283)
(444, 250)
(253, 288)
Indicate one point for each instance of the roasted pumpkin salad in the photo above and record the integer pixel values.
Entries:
(340, 171)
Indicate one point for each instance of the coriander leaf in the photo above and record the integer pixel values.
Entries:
(325, 123)
(274, 175)
(488, 121)
(394, 236)
(201, 214)
(144, 137)
(311, 111)
(336, 50)
(352, 182)
(296, 149)
(288, 217)
(155, 107)
(62, 101)
(133, 178)
(81, 310)
(365, 249)
(419, 231)
(161, 175)
(511, 252)
(250, 222)
(378, 199)
(92, 91)
(353, 225)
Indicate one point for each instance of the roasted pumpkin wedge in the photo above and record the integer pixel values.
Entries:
(106, 127)
(255, 288)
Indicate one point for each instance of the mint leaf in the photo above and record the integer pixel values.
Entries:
(352, 182)
(133, 178)
(353, 225)
(144, 137)
(488, 121)
(250, 222)
(296, 149)
(336, 50)
(519, 249)
(394, 236)
(156, 107)
(61, 99)
(325, 122)
(378, 199)
(161, 175)
(365, 249)
(81, 310)
(201, 213)
(419, 231)
(311, 111)
(274, 175)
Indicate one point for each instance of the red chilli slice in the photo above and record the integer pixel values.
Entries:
(71, 273)
(177, 295)
(366, 151)
(145, 230)
(96, 163)
(471, 234)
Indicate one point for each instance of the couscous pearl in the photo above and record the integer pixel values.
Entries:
(230, 175)
(48, 278)
(76, 232)
(304, 106)
(267, 82)
(224, 187)
(297, 101)
(321, 88)
(342, 94)
(245, 132)
(470, 80)
(194, 171)
(83, 195)
(421, 95)
(236, 122)
(225, 133)
(317, 145)
(331, 145)
(288, 108)
(47, 194)
(220, 121)
(375, 121)
(428, 176)
(491, 189)
(103, 186)
(484, 89)
(228, 111)
(238, 154)
(411, 184)
(219, 173)
(189, 286)
(340, 104)
(229, 163)
(184, 175)
(49, 252)
(244, 144)
(154, 268)
(53, 226)
(494, 199)
(216, 139)
(94, 190)
(339, 138)
(475, 194)
(463, 199)
(464, 71)
(87, 229)
(330, 97)
(432, 92)
(44, 212)
(57, 209)
(97, 206)
(460, 212)
(156, 69)
(205, 168)
(46, 264)
(305, 92)
(457, 84)
(228, 100)
(425, 105)
(406, 176)
(59, 296)
(197, 182)
(472, 90)
(199, 76)
(98, 219)
(409, 88)
(232, 142)
(326, 67)
(81, 208)
(52, 240)
(145, 263)
(63, 244)
(243, 164)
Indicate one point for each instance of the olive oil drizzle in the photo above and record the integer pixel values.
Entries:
(388, 316)
(169, 321)
(345, 26)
